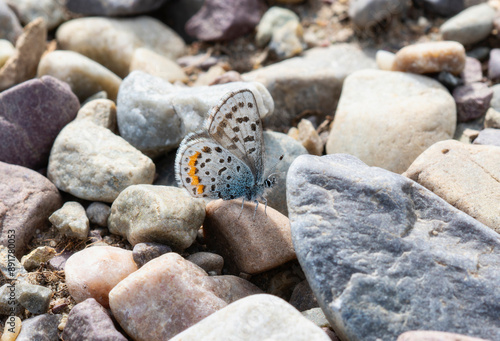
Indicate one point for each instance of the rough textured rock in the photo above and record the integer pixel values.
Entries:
(88, 320)
(170, 289)
(473, 100)
(274, 18)
(8, 303)
(258, 317)
(248, 244)
(384, 255)
(71, 220)
(27, 199)
(388, 118)
(423, 335)
(367, 14)
(93, 272)
(464, 175)
(100, 111)
(161, 214)
(10, 267)
(492, 119)
(37, 257)
(10, 28)
(113, 7)
(41, 327)
(85, 157)
(35, 298)
(294, 83)
(112, 42)
(47, 104)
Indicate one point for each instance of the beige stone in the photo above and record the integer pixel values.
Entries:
(101, 112)
(385, 60)
(248, 244)
(309, 137)
(431, 57)
(492, 119)
(7, 50)
(157, 65)
(466, 176)
(94, 271)
(71, 220)
(425, 335)
(11, 329)
(38, 256)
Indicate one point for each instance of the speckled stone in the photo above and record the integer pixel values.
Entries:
(35, 298)
(424, 335)
(473, 100)
(41, 327)
(38, 256)
(71, 220)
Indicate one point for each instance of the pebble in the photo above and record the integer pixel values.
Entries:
(303, 298)
(212, 263)
(89, 320)
(308, 136)
(227, 77)
(225, 20)
(160, 214)
(84, 76)
(404, 112)
(10, 267)
(469, 26)
(481, 53)
(287, 41)
(489, 136)
(473, 100)
(10, 28)
(71, 220)
(29, 48)
(91, 163)
(94, 271)
(154, 116)
(431, 57)
(112, 8)
(292, 83)
(169, 289)
(35, 298)
(247, 244)
(9, 306)
(495, 100)
(449, 80)
(445, 8)
(101, 112)
(157, 65)
(424, 335)
(23, 216)
(317, 316)
(98, 213)
(427, 252)
(492, 119)
(53, 12)
(258, 317)
(466, 132)
(11, 329)
(21, 110)
(37, 257)
(7, 50)
(385, 60)
(41, 327)
(274, 18)
(144, 252)
(112, 42)
(58, 262)
(494, 64)
(367, 14)
(207, 78)
(472, 71)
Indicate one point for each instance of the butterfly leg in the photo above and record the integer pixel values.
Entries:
(256, 205)
(241, 211)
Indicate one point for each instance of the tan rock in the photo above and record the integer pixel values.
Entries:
(7, 50)
(385, 60)
(11, 329)
(431, 57)
(464, 175)
(425, 335)
(492, 119)
(71, 220)
(22, 65)
(309, 137)
(94, 271)
(157, 65)
(38, 256)
(101, 112)
(248, 244)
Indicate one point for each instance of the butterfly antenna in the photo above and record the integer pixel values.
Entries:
(241, 211)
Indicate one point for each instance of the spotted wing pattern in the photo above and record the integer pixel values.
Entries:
(236, 125)
(208, 170)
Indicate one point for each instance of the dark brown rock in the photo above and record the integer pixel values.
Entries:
(303, 298)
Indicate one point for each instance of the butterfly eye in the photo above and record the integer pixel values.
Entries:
(268, 183)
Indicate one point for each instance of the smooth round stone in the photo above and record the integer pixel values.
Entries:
(445, 8)
(481, 53)
(85, 157)
(35, 298)
(29, 48)
(11, 329)
(488, 136)
(98, 213)
(431, 57)
(258, 317)
(212, 263)
(94, 271)
(7, 50)
(10, 29)
(308, 136)
(424, 335)
(112, 42)
(367, 14)
(101, 112)
(469, 26)
(53, 12)
(494, 64)
(157, 65)
(84, 76)
(71, 220)
(21, 215)
(464, 175)
(249, 240)
(173, 290)
(37, 257)
(144, 252)
(112, 8)
(41, 327)
(287, 40)
(161, 214)
(388, 118)
(385, 60)
(274, 18)
(473, 100)
(492, 119)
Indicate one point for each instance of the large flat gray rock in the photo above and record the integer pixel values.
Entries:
(384, 255)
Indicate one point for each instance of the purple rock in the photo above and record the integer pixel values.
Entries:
(445, 8)
(41, 327)
(473, 100)
(88, 320)
(494, 64)
(489, 136)
(225, 19)
(10, 28)
(113, 7)
(472, 71)
(31, 115)
(27, 199)
(144, 252)
(58, 262)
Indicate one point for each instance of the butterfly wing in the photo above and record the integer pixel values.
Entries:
(208, 170)
(236, 125)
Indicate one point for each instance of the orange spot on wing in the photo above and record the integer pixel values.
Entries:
(192, 173)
